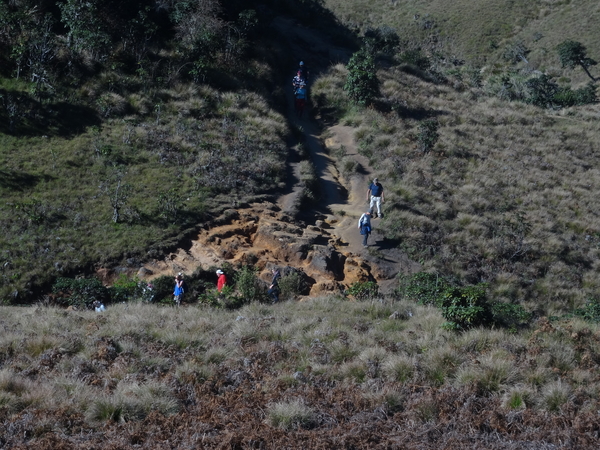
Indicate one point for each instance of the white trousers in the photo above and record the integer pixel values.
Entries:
(375, 201)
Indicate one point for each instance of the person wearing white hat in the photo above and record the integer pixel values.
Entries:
(221, 281)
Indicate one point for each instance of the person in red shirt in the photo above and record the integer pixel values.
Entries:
(221, 281)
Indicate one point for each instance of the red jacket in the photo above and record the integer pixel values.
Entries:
(221, 281)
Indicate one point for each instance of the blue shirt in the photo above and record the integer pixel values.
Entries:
(376, 189)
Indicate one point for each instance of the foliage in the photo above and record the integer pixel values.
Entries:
(423, 288)
(572, 54)
(362, 84)
(80, 292)
(363, 290)
(428, 134)
(292, 285)
(464, 307)
(249, 286)
(542, 91)
(591, 310)
(163, 287)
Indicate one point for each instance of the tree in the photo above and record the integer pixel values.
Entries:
(362, 83)
(86, 29)
(572, 54)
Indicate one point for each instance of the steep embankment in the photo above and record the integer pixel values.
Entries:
(325, 244)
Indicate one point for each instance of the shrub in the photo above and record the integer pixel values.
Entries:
(424, 288)
(81, 292)
(464, 307)
(591, 310)
(363, 290)
(362, 83)
(249, 286)
(542, 91)
(292, 285)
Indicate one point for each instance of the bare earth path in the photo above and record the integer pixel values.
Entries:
(326, 245)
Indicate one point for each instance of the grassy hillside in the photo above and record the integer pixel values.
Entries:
(506, 196)
(480, 31)
(117, 140)
(325, 373)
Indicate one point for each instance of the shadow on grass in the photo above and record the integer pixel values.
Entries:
(19, 181)
(29, 117)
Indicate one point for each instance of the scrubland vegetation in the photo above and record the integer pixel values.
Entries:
(124, 125)
(326, 372)
(480, 187)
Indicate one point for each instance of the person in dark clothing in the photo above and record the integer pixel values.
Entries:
(274, 287)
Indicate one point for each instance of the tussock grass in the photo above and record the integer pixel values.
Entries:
(291, 362)
(501, 197)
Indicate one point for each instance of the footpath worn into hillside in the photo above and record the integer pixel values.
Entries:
(323, 240)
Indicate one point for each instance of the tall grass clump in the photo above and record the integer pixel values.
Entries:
(290, 415)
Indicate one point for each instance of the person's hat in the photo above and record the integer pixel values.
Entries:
(219, 272)
(375, 179)
(301, 63)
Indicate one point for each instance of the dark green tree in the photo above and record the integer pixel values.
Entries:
(542, 91)
(362, 83)
(572, 54)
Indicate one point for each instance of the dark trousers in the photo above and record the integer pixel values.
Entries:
(274, 293)
(365, 237)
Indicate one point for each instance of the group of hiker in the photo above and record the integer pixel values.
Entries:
(222, 282)
(375, 197)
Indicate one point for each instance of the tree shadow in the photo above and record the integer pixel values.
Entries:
(23, 115)
(19, 181)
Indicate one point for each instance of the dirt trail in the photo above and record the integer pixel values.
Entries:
(326, 245)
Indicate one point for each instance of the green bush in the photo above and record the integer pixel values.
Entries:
(362, 83)
(591, 311)
(363, 290)
(424, 288)
(464, 307)
(249, 286)
(292, 285)
(81, 292)
(428, 134)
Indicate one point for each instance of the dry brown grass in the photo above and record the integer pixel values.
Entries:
(314, 369)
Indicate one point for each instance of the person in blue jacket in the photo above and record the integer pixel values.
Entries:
(364, 225)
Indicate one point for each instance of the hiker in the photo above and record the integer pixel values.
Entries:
(364, 225)
(98, 306)
(274, 287)
(375, 197)
(221, 281)
(300, 99)
(178, 292)
(297, 80)
(303, 71)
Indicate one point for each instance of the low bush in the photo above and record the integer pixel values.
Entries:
(363, 290)
(80, 292)
(463, 307)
